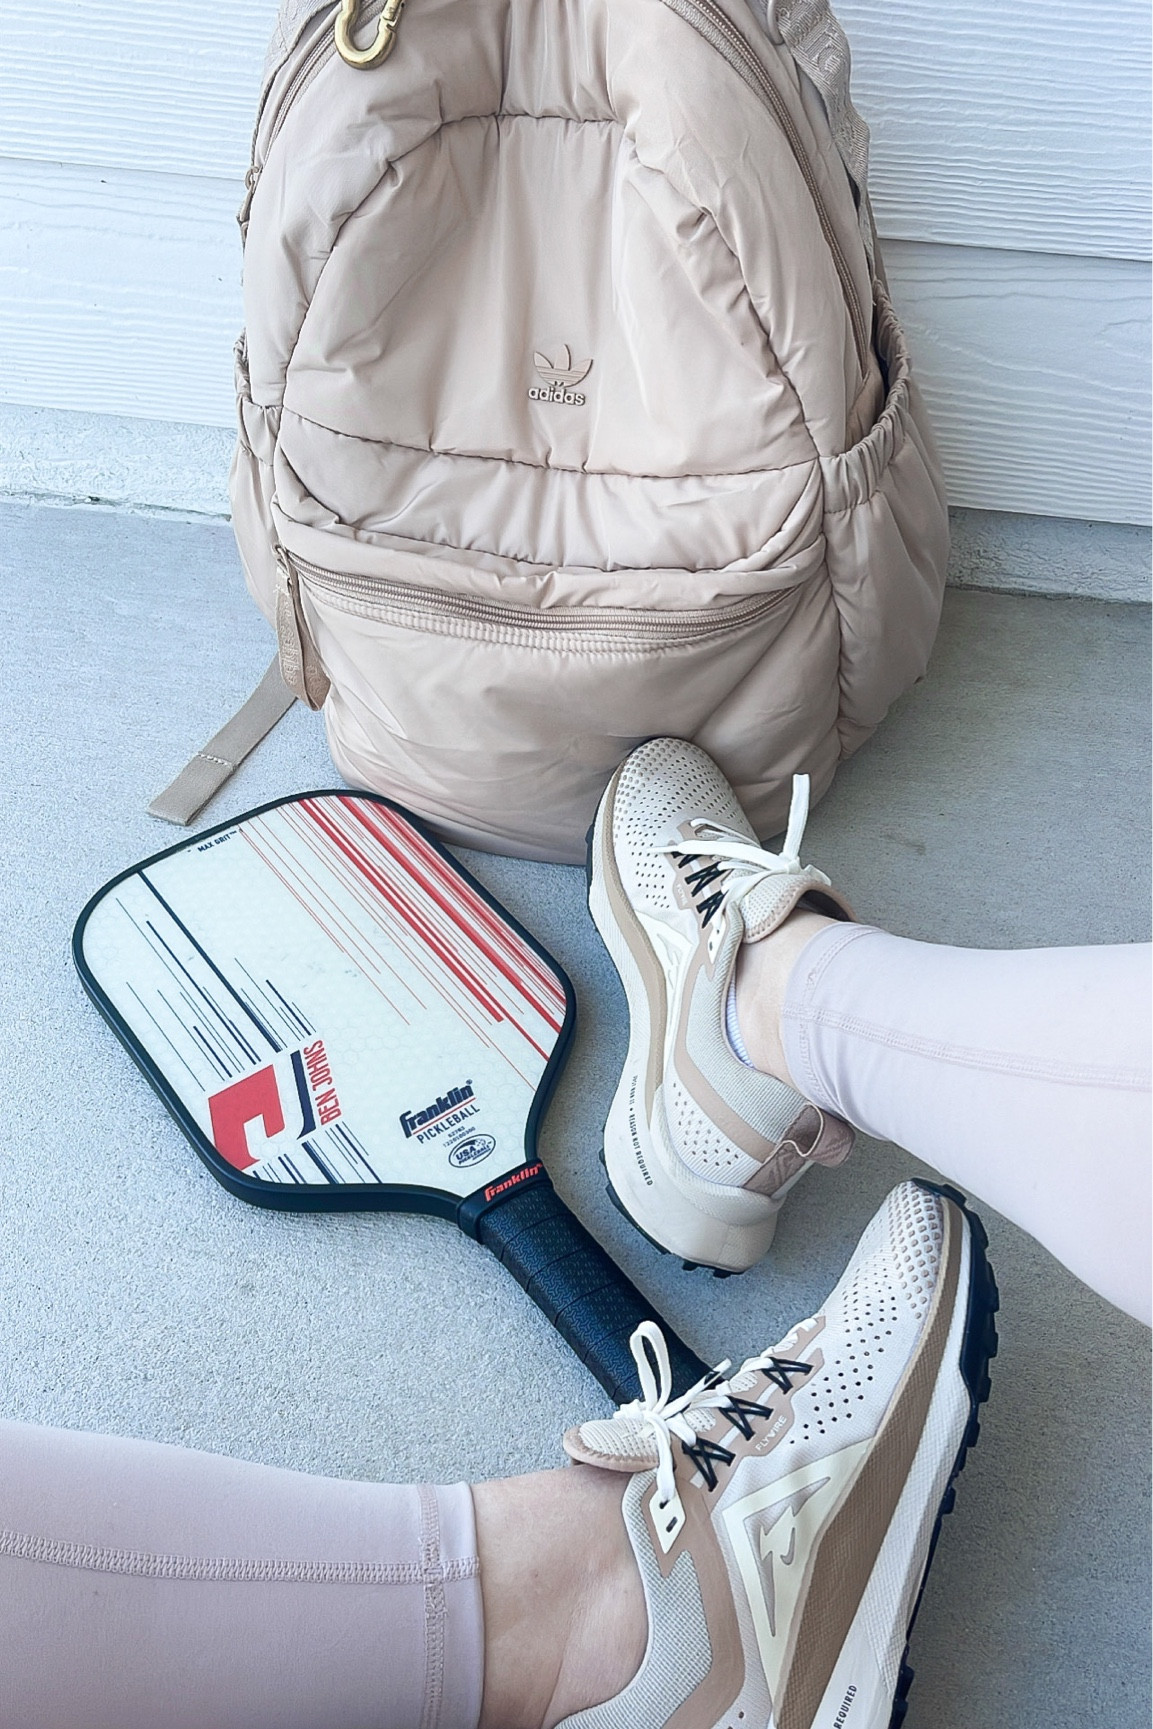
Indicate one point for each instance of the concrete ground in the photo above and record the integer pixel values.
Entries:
(1004, 803)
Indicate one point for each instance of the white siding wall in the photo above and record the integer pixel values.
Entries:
(1010, 175)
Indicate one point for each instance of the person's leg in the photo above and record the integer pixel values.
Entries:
(144, 1586)
(564, 1612)
(150, 1587)
(1022, 1075)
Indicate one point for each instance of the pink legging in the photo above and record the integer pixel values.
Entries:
(1021, 1074)
(146, 1587)
(150, 1587)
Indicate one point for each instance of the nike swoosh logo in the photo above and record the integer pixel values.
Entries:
(767, 1522)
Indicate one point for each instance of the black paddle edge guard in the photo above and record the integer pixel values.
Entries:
(344, 1197)
(588, 1299)
(571, 1279)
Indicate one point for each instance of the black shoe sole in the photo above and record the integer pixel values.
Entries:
(978, 1348)
(687, 1266)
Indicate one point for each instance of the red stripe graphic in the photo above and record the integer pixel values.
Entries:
(459, 892)
(449, 903)
(340, 873)
(483, 913)
(405, 910)
(310, 906)
(281, 857)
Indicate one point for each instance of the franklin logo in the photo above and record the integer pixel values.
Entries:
(471, 1152)
(559, 377)
(443, 1113)
(514, 1181)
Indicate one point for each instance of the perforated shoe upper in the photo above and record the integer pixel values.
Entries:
(763, 1505)
(660, 789)
(730, 1124)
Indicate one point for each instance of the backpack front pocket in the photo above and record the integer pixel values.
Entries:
(502, 722)
(887, 543)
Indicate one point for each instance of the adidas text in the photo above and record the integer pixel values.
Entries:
(554, 393)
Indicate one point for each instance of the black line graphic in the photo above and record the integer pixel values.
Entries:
(261, 992)
(291, 1009)
(270, 1037)
(165, 1036)
(322, 1166)
(206, 1034)
(354, 1149)
(307, 1114)
(200, 1039)
(176, 968)
(182, 971)
(201, 992)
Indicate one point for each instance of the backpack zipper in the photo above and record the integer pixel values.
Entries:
(613, 626)
(300, 666)
(324, 48)
(711, 23)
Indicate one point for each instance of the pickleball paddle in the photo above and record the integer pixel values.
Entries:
(339, 1016)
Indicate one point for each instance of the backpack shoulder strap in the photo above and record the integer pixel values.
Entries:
(204, 776)
(820, 48)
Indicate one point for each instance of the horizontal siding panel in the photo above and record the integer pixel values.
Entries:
(1020, 125)
(135, 83)
(1036, 372)
(1007, 123)
(57, 456)
(120, 294)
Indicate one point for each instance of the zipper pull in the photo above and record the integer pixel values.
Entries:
(242, 215)
(300, 665)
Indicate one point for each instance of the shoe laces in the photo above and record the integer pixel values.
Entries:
(667, 1418)
(750, 865)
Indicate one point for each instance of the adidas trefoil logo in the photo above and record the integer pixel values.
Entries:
(565, 371)
(559, 377)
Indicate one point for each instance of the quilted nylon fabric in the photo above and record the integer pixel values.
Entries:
(558, 311)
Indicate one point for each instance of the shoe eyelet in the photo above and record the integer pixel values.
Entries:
(668, 1520)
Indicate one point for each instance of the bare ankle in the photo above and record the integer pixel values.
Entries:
(762, 979)
(609, 1630)
(565, 1619)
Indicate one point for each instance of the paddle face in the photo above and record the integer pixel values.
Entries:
(336, 1013)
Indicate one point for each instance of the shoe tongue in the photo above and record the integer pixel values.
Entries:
(615, 1443)
(771, 902)
(625, 1443)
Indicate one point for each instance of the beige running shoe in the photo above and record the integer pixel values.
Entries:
(783, 1517)
(700, 1148)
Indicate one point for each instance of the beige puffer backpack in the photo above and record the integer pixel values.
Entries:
(573, 409)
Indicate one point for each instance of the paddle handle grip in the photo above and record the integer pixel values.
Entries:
(589, 1301)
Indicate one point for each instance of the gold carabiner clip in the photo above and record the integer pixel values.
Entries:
(385, 35)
